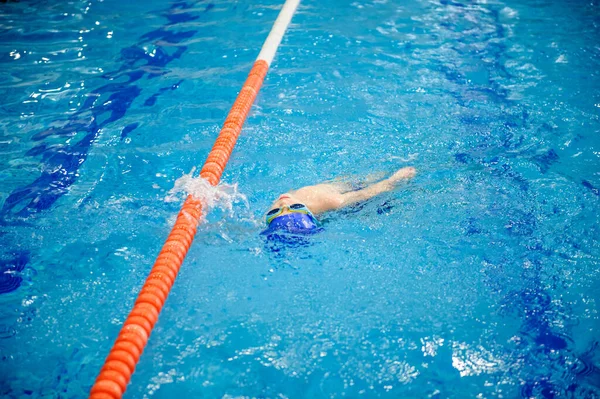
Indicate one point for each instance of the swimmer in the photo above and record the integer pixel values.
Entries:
(295, 210)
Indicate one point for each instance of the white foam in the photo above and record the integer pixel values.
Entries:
(509, 12)
(223, 196)
(409, 158)
(562, 59)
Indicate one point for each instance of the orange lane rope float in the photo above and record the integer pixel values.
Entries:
(126, 351)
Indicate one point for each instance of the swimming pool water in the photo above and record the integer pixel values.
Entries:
(478, 279)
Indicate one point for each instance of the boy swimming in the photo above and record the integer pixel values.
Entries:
(295, 210)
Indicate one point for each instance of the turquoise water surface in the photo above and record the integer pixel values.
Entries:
(477, 279)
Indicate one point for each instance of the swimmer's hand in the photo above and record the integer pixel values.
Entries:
(402, 174)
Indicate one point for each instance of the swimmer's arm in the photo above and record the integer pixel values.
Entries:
(373, 190)
(323, 197)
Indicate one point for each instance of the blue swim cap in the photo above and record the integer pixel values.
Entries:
(295, 223)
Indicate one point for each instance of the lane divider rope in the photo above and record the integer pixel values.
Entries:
(131, 341)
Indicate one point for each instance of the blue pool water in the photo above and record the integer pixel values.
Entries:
(478, 279)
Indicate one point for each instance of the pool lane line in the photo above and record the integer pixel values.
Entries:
(127, 349)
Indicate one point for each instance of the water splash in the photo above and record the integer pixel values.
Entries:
(222, 197)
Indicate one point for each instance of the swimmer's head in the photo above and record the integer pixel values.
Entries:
(287, 214)
(291, 229)
(286, 199)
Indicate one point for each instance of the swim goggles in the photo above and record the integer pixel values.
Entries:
(294, 208)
